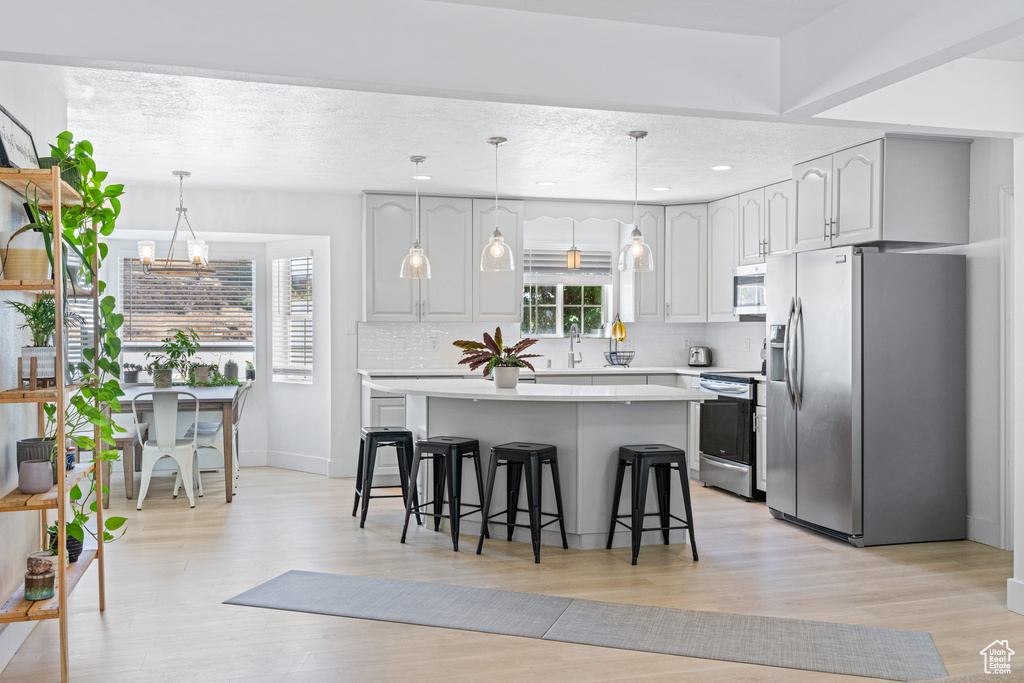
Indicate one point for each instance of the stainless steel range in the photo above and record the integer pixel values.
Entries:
(727, 440)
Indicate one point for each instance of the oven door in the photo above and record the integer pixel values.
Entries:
(726, 429)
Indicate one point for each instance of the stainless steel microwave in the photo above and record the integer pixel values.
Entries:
(748, 290)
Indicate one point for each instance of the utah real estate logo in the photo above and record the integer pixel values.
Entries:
(997, 657)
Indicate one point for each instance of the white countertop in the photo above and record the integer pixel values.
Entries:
(483, 390)
(637, 370)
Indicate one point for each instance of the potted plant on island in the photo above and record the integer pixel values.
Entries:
(176, 354)
(494, 356)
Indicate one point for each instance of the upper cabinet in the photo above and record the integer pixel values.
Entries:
(650, 287)
(498, 296)
(686, 263)
(723, 253)
(896, 190)
(779, 218)
(753, 238)
(446, 236)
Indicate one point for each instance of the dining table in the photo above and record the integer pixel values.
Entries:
(211, 399)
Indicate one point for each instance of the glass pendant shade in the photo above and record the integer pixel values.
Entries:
(572, 259)
(497, 255)
(198, 252)
(415, 265)
(636, 256)
(147, 252)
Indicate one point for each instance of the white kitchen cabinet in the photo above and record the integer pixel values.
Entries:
(446, 227)
(582, 380)
(895, 190)
(760, 446)
(752, 233)
(686, 263)
(387, 411)
(388, 232)
(723, 220)
(779, 218)
(446, 237)
(693, 437)
(611, 380)
(642, 295)
(498, 296)
(667, 381)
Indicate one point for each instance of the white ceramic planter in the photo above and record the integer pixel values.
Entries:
(506, 378)
(46, 361)
(23, 257)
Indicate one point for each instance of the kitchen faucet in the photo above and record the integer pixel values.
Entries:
(574, 338)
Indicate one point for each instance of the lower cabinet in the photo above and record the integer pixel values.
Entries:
(760, 445)
(693, 439)
(387, 411)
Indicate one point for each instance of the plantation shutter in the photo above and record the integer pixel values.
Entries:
(549, 266)
(293, 318)
(218, 306)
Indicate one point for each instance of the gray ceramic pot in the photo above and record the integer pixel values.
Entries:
(506, 378)
(35, 476)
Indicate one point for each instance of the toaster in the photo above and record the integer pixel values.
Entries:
(700, 356)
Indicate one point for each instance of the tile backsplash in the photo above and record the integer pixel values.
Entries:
(388, 346)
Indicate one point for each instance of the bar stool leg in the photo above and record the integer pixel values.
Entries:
(685, 481)
(641, 474)
(620, 472)
(359, 475)
(492, 469)
(661, 482)
(367, 478)
(439, 481)
(414, 470)
(453, 463)
(515, 474)
(558, 501)
(478, 467)
(404, 450)
(533, 503)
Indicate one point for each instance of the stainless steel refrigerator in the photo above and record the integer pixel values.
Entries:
(867, 394)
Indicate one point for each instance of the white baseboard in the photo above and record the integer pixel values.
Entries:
(252, 458)
(340, 470)
(297, 462)
(12, 636)
(984, 531)
(1015, 595)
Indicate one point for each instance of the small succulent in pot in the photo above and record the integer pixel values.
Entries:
(492, 353)
(131, 372)
(250, 370)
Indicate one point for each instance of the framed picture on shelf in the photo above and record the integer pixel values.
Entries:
(17, 149)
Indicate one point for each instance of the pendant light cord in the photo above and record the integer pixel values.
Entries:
(636, 177)
(496, 146)
(417, 178)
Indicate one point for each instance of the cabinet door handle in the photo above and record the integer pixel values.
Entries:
(833, 225)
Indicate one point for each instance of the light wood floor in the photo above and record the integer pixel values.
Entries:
(167, 577)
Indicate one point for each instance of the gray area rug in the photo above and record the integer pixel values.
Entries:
(771, 641)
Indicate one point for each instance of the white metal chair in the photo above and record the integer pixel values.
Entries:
(163, 442)
(211, 434)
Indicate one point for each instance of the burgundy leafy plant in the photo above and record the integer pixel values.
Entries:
(491, 353)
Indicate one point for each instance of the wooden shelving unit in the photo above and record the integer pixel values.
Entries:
(53, 194)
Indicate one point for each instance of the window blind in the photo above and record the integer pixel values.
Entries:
(549, 266)
(293, 318)
(218, 306)
(79, 333)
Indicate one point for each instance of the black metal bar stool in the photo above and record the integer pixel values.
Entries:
(523, 459)
(446, 453)
(370, 439)
(663, 460)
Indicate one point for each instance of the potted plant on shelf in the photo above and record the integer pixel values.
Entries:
(41, 321)
(176, 352)
(130, 372)
(494, 356)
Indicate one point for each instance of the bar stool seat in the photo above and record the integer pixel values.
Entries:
(370, 439)
(447, 454)
(523, 459)
(662, 459)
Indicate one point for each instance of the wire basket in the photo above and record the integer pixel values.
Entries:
(622, 358)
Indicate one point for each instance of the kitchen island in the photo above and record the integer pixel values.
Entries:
(586, 423)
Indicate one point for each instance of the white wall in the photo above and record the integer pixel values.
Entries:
(41, 107)
(337, 217)
(1015, 585)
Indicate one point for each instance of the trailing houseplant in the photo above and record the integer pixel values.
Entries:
(176, 353)
(494, 356)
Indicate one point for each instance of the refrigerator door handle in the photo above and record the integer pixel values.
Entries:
(785, 351)
(798, 317)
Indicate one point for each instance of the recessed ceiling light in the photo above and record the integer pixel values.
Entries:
(547, 183)
(422, 177)
(724, 167)
(661, 189)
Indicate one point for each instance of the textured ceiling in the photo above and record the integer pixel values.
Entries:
(255, 135)
(747, 17)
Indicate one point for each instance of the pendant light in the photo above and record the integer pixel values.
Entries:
(198, 250)
(497, 256)
(415, 265)
(572, 257)
(636, 256)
